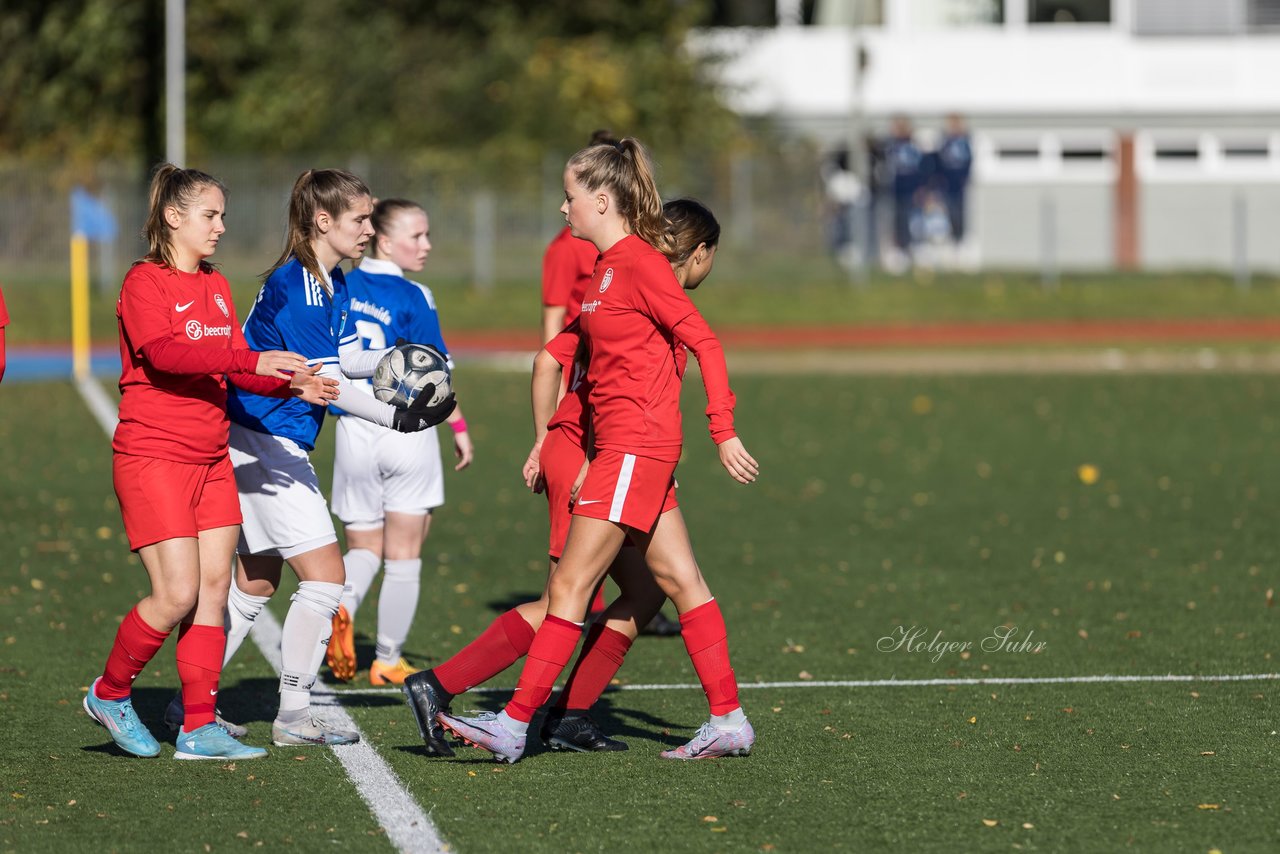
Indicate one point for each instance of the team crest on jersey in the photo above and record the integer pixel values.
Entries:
(221, 304)
(608, 277)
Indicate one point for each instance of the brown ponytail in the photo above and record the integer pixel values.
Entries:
(691, 224)
(627, 172)
(330, 190)
(172, 187)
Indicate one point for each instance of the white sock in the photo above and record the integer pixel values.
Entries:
(731, 722)
(396, 605)
(512, 725)
(242, 610)
(303, 640)
(362, 566)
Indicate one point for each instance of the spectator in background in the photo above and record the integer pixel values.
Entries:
(954, 161)
(906, 164)
(842, 190)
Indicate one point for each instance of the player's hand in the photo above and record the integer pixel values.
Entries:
(279, 364)
(463, 450)
(740, 465)
(577, 482)
(312, 388)
(532, 470)
(419, 416)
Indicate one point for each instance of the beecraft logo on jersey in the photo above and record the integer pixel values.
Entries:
(197, 330)
(590, 307)
(221, 304)
(608, 277)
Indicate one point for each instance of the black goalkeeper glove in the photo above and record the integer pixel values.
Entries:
(420, 416)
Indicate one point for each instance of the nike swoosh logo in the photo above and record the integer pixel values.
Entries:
(182, 308)
(595, 501)
(213, 693)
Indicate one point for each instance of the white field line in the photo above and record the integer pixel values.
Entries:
(905, 683)
(408, 828)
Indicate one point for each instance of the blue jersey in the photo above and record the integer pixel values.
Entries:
(384, 306)
(293, 311)
(955, 158)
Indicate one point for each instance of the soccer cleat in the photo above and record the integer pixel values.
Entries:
(661, 626)
(424, 702)
(486, 732)
(312, 731)
(390, 674)
(578, 733)
(212, 741)
(175, 716)
(122, 722)
(341, 654)
(711, 742)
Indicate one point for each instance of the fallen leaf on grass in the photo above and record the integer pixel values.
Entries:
(719, 829)
(1026, 825)
(1208, 806)
(805, 674)
(1207, 753)
(709, 818)
(990, 822)
(973, 720)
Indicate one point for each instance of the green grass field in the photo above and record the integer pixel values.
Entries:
(950, 505)
(756, 291)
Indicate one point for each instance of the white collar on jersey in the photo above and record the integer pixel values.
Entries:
(381, 267)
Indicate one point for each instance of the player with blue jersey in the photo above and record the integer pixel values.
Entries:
(303, 301)
(386, 484)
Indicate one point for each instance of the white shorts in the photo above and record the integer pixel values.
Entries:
(284, 510)
(376, 470)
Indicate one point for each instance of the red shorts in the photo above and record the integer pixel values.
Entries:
(162, 499)
(628, 489)
(561, 459)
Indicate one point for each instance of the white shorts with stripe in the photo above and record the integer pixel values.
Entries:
(284, 512)
(376, 470)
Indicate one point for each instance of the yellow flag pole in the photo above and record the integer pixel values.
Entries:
(80, 307)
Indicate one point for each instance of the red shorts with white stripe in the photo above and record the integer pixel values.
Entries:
(162, 499)
(628, 489)
(560, 459)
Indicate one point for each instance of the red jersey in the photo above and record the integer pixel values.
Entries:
(177, 416)
(635, 316)
(566, 272)
(571, 415)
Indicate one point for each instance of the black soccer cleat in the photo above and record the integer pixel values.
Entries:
(424, 701)
(578, 733)
(661, 626)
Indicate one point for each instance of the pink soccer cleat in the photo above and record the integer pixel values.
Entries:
(711, 742)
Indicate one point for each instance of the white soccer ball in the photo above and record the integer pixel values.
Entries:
(405, 371)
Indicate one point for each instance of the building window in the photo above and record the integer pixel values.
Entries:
(1069, 11)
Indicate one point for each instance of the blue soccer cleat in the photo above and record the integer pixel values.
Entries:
(212, 741)
(488, 733)
(122, 722)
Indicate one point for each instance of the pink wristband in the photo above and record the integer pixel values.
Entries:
(459, 426)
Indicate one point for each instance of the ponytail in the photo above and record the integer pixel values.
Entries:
(333, 191)
(172, 187)
(691, 224)
(624, 168)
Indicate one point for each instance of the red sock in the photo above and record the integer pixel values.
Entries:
(200, 650)
(597, 602)
(602, 655)
(707, 641)
(502, 644)
(136, 643)
(551, 650)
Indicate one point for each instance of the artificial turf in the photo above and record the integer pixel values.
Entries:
(951, 505)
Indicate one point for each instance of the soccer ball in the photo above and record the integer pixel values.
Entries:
(406, 370)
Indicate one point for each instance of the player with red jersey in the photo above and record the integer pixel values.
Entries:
(179, 341)
(635, 317)
(555, 466)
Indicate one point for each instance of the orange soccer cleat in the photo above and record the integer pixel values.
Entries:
(390, 674)
(341, 655)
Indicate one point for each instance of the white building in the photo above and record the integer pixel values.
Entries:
(1130, 133)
